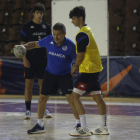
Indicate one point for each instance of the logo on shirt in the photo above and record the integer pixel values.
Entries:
(64, 48)
(39, 37)
(32, 27)
(51, 42)
(44, 26)
(38, 34)
(56, 54)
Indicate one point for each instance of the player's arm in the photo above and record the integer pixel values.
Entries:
(31, 45)
(37, 44)
(78, 61)
(82, 42)
(79, 58)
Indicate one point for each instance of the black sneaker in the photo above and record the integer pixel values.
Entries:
(36, 129)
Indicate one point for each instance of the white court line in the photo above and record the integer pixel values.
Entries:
(12, 101)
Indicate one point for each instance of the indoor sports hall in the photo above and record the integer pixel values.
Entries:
(115, 25)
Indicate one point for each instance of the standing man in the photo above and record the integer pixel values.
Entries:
(88, 63)
(61, 53)
(35, 60)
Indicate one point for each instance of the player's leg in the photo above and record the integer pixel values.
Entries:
(79, 89)
(40, 81)
(39, 127)
(40, 74)
(95, 91)
(66, 86)
(46, 113)
(83, 130)
(78, 104)
(101, 105)
(29, 80)
(42, 106)
(102, 128)
(48, 87)
(68, 97)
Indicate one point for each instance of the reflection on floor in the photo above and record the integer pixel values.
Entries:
(123, 119)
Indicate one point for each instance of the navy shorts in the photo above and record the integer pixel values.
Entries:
(87, 83)
(35, 70)
(51, 84)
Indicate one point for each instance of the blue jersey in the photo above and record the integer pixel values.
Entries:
(59, 58)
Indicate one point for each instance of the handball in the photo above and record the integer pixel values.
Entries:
(19, 51)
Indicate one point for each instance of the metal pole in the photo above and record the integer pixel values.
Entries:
(107, 48)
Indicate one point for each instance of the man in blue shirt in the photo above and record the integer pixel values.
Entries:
(61, 53)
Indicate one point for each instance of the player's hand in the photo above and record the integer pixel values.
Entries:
(73, 74)
(74, 70)
(26, 63)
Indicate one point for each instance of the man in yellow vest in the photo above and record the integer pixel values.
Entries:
(88, 64)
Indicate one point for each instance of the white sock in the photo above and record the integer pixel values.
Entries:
(103, 121)
(40, 122)
(83, 121)
(77, 121)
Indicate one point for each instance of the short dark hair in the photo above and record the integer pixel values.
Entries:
(38, 7)
(78, 11)
(60, 26)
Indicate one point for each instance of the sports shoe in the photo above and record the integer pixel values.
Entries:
(77, 126)
(36, 129)
(99, 131)
(27, 115)
(47, 114)
(80, 132)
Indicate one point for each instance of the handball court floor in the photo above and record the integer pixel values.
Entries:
(123, 119)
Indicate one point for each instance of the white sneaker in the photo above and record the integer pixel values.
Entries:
(47, 114)
(27, 115)
(80, 132)
(99, 131)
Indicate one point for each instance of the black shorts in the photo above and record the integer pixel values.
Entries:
(87, 82)
(35, 70)
(51, 84)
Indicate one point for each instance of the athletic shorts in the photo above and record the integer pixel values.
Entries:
(87, 83)
(35, 70)
(51, 84)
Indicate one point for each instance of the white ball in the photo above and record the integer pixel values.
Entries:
(19, 51)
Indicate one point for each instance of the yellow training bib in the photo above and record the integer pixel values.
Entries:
(92, 60)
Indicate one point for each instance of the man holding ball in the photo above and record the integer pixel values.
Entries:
(61, 53)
